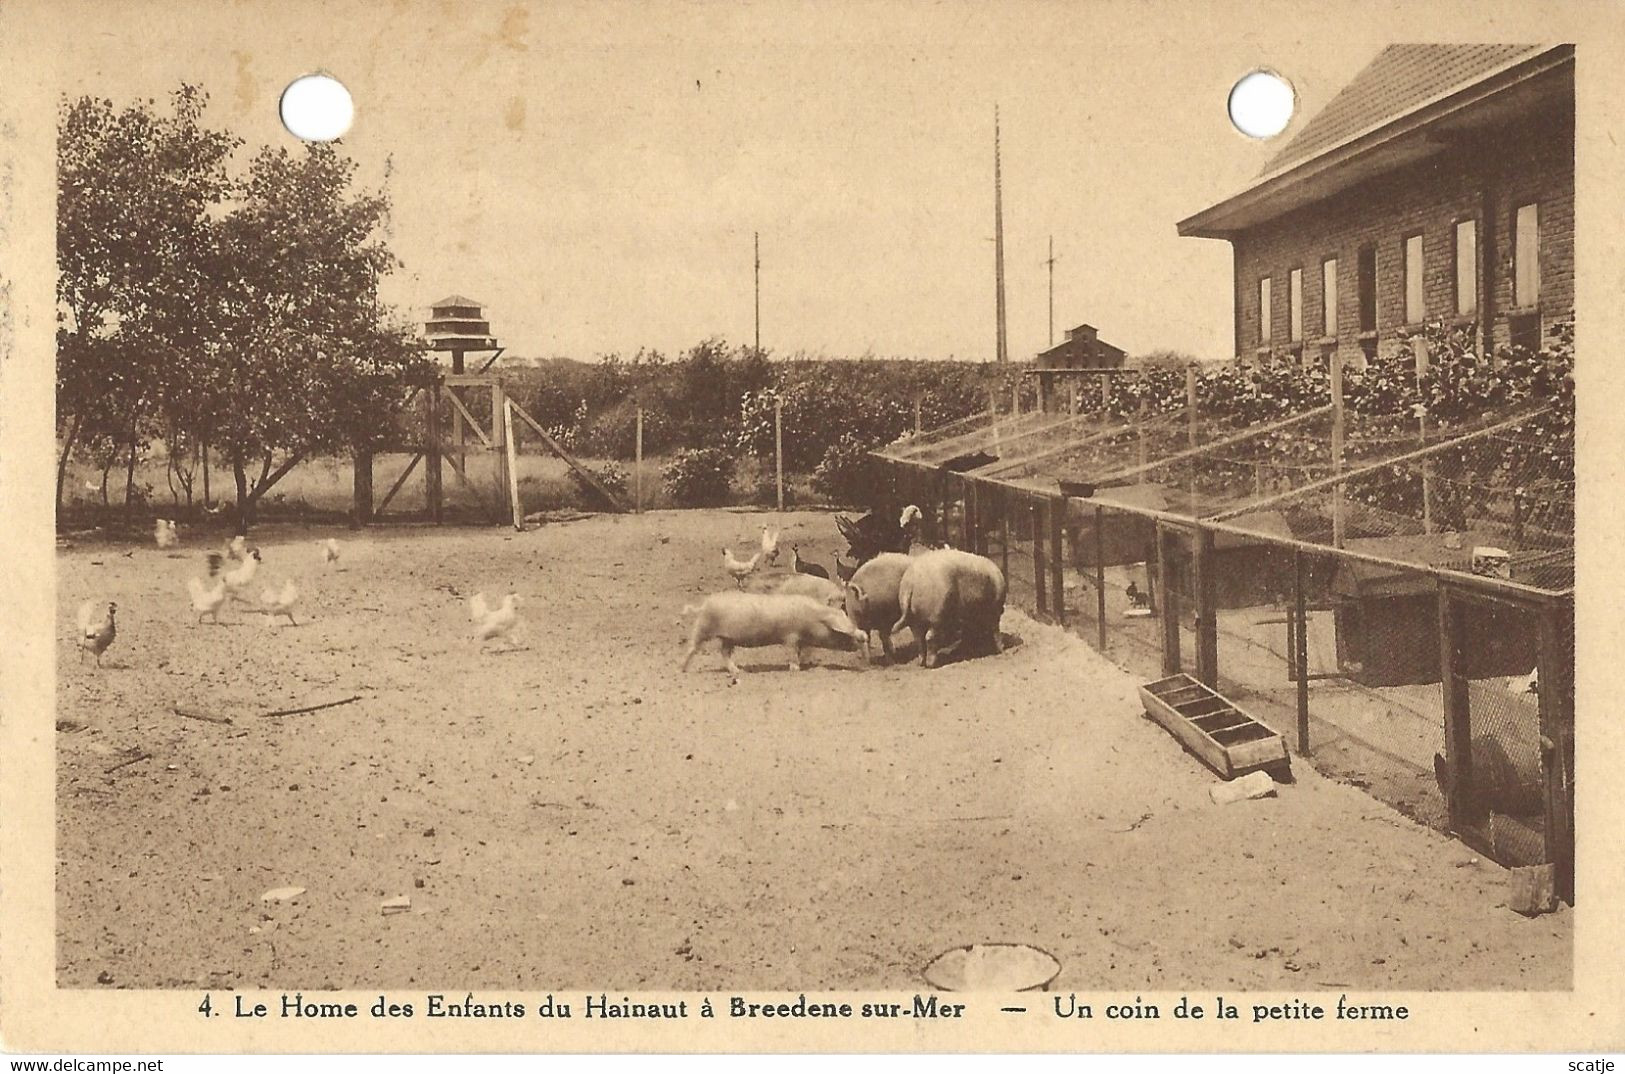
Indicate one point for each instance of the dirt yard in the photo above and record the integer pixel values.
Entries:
(578, 813)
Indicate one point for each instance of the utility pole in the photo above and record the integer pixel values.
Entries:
(998, 236)
(756, 244)
(1051, 264)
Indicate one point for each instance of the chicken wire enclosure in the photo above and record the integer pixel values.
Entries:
(1376, 588)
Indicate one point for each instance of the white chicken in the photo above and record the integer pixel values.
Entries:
(207, 601)
(239, 578)
(236, 548)
(496, 622)
(740, 569)
(770, 545)
(165, 534)
(330, 550)
(280, 601)
(95, 635)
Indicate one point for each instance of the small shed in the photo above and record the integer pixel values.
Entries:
(1387, 619)
(1248, 571)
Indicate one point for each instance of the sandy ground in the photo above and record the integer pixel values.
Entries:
(577, 813)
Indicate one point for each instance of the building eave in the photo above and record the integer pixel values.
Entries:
(1393, 143)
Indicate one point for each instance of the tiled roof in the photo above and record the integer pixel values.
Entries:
(456, 300)
(1398, 80)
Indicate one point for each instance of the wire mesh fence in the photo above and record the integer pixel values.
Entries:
(1394, 598)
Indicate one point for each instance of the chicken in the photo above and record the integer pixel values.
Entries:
(207, 601)
(801, 566)
(496, 622)
(874, 533)
(770, 546)
(165, 533)
(95, 635)
(330, 550)
(739, 569)
(845, 571)
(237, 548)
(238, 578)
(1136, 599)
(280, 602)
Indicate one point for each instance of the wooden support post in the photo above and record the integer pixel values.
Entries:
(1040, 603)
(1190, 425)
(1207, 609)
(1072, 399)
(1458, 729)
(1139, 429)
(1015, 399)
(1004, 532)
(207, 502)
(1056, 508)
(1043, 393)
(1299, 653)
(431, 453)
(1105, 393)
(512, 466)
(916, 415)
(1556, 697)
(778, 447)
(1338, 491)
(637, 468)
(362, 497)
(1167, 538)
(1100, 576)
(502, 449)
(962, 497)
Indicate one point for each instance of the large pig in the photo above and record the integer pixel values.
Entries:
(756, 619)
(810, 585)
(871, 597)
(954, 596)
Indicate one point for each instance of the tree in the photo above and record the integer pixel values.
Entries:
(135, 190)
(300, 357)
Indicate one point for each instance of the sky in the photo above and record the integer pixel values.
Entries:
(594, 173)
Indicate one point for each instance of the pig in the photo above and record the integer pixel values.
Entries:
(810, 585)
(757, 619)
(948, 593)
(871, 597)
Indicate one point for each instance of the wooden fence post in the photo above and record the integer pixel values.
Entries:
(1100, 574)
(1458, 729)
(506, 459)
(1040, 603)
(1207, 611)
(511, 464)
(1169, 597)
(1004, 532)
(431, 452)
(1056, 508)
(778, 447)
(1338, 490)
(1556, 697)
(637, 468)
(1299, 656)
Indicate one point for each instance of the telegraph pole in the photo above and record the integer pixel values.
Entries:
(998, 236)
(1051, 264)
(756, 245)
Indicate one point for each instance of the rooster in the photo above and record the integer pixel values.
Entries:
(740, 569)
(330, 550)
(165, 533)
(801, 566)
(770, 546)
(96, 635)
(238, 578)
(280, 602)
(496, 622)
(207, 601)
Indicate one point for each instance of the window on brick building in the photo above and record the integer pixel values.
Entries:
(1368, 347)
(1367, 286)
(1415, 307)
(1466, 266)
(1264, 310)
(1294, 303)
(1328, 296)
(1526, 256)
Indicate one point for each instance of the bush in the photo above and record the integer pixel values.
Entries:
(846, 474)
(700, 477)
(612, 476)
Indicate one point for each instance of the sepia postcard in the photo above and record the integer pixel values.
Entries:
(810, 527)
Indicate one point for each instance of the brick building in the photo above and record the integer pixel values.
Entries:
(1438, 185)
(1082, 349)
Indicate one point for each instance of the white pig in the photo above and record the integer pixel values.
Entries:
(810, 585)
(949, 594)
(756, 619)
(871, 596)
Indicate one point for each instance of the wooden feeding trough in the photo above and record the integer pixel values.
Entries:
(1224, 737)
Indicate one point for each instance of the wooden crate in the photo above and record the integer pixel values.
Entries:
(1217, 731)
